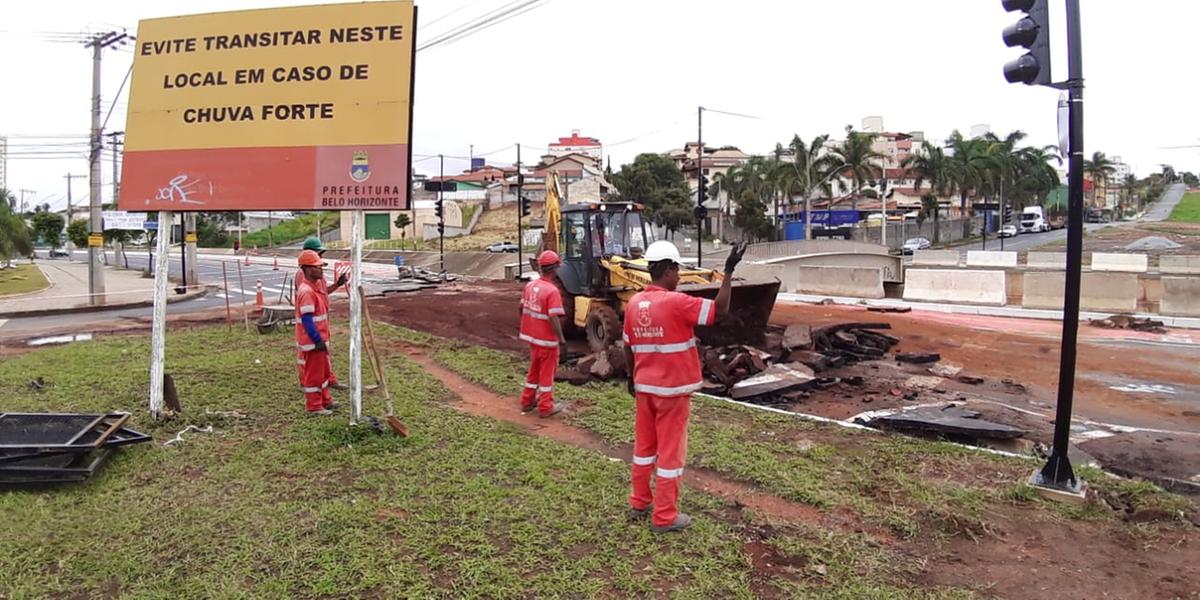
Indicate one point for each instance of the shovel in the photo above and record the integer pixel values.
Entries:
(397, 426)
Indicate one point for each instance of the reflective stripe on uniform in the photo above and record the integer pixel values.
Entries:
(306, 347)
(532, 386)
(625, 337)
(663, 348)
(670, 473)
(644, 460)
(536, 315)
(299, 361)
(319, 318)
(667, 391)
(539, 342)
(545, 388)
(311, 390)
(705, 310)
(307, 308)
(558, 311)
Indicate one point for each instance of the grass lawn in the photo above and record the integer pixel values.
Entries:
(21, 280)
(275, 504)
(1188, 209)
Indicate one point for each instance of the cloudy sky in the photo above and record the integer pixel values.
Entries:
(632, 72)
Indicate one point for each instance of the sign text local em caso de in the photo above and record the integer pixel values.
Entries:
(277, 109)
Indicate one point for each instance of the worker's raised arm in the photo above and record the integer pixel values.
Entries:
(726, 291)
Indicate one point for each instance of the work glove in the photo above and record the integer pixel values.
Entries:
(629, 387)
(345, 277)
(320, 346)
(735, 256)
(562, 352)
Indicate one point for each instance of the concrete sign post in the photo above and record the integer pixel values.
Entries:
(296, 108)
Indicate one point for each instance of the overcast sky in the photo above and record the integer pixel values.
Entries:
(631, 73)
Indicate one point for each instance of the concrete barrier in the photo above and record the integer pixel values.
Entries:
(959, 286)
(991, 258)
(1183, 265)
(856, 282)
(936, 258)
(1098, 291)
(757, 271)
(1046, 260)
(1181, 296)
(1121, 263)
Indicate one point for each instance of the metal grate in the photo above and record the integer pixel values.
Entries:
(57, 431)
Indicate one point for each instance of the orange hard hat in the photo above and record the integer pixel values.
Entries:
(548, 258)
(310, 258)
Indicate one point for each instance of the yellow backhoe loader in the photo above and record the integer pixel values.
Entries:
(602, 268)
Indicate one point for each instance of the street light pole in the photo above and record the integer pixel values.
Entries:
(700, 185)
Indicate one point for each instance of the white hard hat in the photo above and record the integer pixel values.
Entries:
(662, 250)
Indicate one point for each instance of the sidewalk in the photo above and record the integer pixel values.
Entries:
(68, 290)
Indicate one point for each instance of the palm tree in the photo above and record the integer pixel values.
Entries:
(1099, 167)
(930, 163)
(970, 165)
(1035, 177)
(857, 158)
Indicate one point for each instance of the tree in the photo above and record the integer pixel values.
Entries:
(8, 198)
(210, 230)
(1189, 179)
(1099, 167)
(15, 236)
(858, 160)
(48, 227)
(77, 232)
(402, 222)
(655, 182)
(751, 215)
(1168, 173)
(930, 207)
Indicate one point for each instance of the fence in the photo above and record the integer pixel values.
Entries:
(949, 230)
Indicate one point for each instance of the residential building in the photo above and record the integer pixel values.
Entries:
(717, 161)
(577, 144)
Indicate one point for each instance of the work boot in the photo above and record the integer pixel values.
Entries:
(528, 408)
(333, 404)
(682, 522)
(554, 410)
(324, 412)
(637, 514)
(341, 387)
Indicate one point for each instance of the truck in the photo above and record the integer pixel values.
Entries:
(1033, 220)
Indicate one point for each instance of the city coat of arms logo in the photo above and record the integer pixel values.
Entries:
(643, 313)
(360, 169)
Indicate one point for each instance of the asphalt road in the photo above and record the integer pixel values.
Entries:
(1158, 211)
(209, 271)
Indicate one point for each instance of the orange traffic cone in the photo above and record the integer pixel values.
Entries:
(258, 298)
(247, 262)
(276, 267)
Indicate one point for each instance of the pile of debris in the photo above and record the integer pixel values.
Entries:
(409, 279)
(1130, 322)
(784, 369)
(49, 448)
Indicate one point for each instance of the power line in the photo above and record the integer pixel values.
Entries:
(117, 95)
(509, 10)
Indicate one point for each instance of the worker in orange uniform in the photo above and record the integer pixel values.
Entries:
(314, 244)
(660, 343)
(541, 326)
(312, 336)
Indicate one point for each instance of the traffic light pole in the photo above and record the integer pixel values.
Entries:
(699, 185)
(1057, 473)
(441, 215)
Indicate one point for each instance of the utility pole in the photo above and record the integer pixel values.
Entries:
(700, 211)
(70, 209)
(520, 209)
(96, 240)
(23, 192)
(114, 143)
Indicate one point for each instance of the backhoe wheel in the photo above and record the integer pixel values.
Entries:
(603, 327)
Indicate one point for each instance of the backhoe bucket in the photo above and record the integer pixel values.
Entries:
(749, 311)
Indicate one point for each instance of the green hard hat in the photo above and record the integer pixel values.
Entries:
(313, 243)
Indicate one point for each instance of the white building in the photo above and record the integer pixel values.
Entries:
(577, 144)
(3, 162)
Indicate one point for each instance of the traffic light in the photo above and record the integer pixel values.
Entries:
(525, 206)
(701, 212)
(1008, 214)
(1032, 33)
(441, 229)
(437, 209)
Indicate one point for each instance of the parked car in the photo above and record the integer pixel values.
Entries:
(913, 244)
(1008, 231)
(58, 253)
(502, 247)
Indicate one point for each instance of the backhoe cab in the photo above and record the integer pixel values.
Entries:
(602, 268)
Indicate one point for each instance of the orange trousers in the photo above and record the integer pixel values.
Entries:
(659, 449)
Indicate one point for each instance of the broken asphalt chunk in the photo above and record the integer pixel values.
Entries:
(918, 357)
(775, 380)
